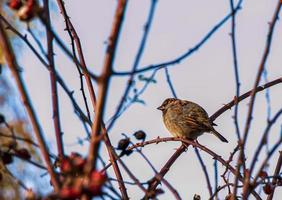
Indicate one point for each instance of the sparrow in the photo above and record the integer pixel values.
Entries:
(187, 119)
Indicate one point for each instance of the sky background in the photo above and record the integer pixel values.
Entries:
(206, 77)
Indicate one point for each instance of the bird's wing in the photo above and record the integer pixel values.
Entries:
(197, 123)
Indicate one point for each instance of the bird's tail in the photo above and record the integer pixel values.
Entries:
(217, 134)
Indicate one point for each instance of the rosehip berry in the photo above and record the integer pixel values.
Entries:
(15, 4)
(66, 165)
(268, 188)
(97, 180)
(263, 174)
(69, 193)
(79, 163)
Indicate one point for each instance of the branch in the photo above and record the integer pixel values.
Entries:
(104, 82)
(54, 88)
(244, 96)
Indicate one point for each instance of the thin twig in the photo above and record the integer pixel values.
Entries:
(136, 96)
(136, 62)
(236, 68)
(215, 167)
(186, 54)
(170, 83)
(204, 168)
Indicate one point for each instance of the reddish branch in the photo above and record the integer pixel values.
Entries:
(12, 64)
(164, 181)
(72, 32)
(252, 101)
(54, 88)
(103, 84)
(154, 182)
(244, 96)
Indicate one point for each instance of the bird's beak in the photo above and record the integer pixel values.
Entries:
(160, 108)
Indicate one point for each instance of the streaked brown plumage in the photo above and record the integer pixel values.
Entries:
(186, 119)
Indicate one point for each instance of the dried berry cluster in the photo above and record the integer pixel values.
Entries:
(26, 10)
(74, 182)
(124, 143)
(268, 187)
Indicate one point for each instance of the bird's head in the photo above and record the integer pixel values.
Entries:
(167, 103)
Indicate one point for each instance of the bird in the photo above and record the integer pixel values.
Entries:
(186, 119)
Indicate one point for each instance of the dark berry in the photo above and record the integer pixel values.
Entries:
(23, 153)
(140, 135)
(123, 144)
(6, 158)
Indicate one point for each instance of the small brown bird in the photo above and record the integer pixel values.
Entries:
(187, 119)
